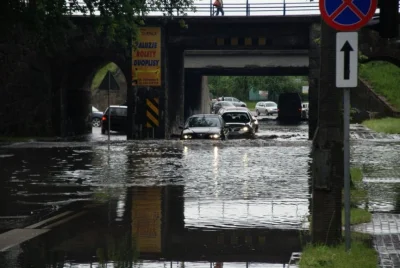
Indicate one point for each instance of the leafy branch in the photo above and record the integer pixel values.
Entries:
(118, 20)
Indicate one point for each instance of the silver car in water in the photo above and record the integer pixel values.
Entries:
(266, 107)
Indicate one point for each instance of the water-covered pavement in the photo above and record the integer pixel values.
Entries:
(235, 201)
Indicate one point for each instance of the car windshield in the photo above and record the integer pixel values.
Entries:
(117, 111)
(227, 104)
(232, 117)
(203, 122)
(270, 104)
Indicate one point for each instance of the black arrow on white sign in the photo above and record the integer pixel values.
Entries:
(347, 48)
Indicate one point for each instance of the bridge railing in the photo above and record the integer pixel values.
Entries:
(243, 8)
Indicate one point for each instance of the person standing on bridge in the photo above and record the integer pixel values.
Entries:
(219, 5)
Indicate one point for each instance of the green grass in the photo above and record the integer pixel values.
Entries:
(386, 125)
(384, 78)
(99, 76)
(358, 194)
(357, 216)
(356, 175)
(360, 256)
(251, 104)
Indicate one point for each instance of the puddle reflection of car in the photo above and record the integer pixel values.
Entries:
(240, 123)
(204, 126)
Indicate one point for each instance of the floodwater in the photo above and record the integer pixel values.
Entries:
(162, 203)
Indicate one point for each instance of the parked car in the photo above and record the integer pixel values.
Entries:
(204, 126)
(235, 101)
(289, 107)
(118, 118)
(240, 123)
(304, 110)
(96, 117)
(266, 107)
(219, 104)
(222, 110)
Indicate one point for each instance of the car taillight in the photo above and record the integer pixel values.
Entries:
(277, 110)
(104, 118)
(300, 109)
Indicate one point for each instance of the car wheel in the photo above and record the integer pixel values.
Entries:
(257, 112)
(96, 122)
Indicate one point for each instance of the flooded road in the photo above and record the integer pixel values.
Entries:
(236, 201)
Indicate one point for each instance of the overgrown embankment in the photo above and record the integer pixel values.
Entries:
(384, 79)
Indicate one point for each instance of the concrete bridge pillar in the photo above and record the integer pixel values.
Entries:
(313, 78)
(327, 153)
(174, 93)
(196, 94)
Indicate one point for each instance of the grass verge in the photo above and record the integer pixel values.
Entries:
(357, 216)
(385, 125)
(356, 175)
(251, 104)
(384, 78)
(361, 255)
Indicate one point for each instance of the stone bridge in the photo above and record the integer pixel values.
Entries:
(48, 95)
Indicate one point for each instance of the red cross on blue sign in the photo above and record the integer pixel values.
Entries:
(347, 15)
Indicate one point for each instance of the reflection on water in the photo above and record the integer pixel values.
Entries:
(282, 214)
(224, 176)
(152, 229)
(381, 173)
(242, 203)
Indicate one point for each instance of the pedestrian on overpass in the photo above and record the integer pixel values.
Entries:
(219, 5)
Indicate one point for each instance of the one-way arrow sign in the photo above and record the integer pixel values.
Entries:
(346, 59)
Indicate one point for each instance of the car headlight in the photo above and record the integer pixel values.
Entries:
(187, 136)
(214, 136)
(245, 129)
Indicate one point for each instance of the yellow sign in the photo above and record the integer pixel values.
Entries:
(146, 218)
(146, 59)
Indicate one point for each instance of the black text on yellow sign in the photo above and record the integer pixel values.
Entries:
(152, 113)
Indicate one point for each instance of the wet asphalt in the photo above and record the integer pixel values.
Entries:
(240, 202)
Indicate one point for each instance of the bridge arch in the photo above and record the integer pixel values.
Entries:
(75, 93)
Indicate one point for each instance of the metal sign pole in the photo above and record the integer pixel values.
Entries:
(109, 109)
(346, 145)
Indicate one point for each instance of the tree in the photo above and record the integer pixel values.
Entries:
(240, 86)
(117, 19)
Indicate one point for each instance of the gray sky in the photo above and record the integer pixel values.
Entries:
(263, 7)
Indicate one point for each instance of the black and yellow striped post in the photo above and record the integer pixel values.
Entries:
(152, 113)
